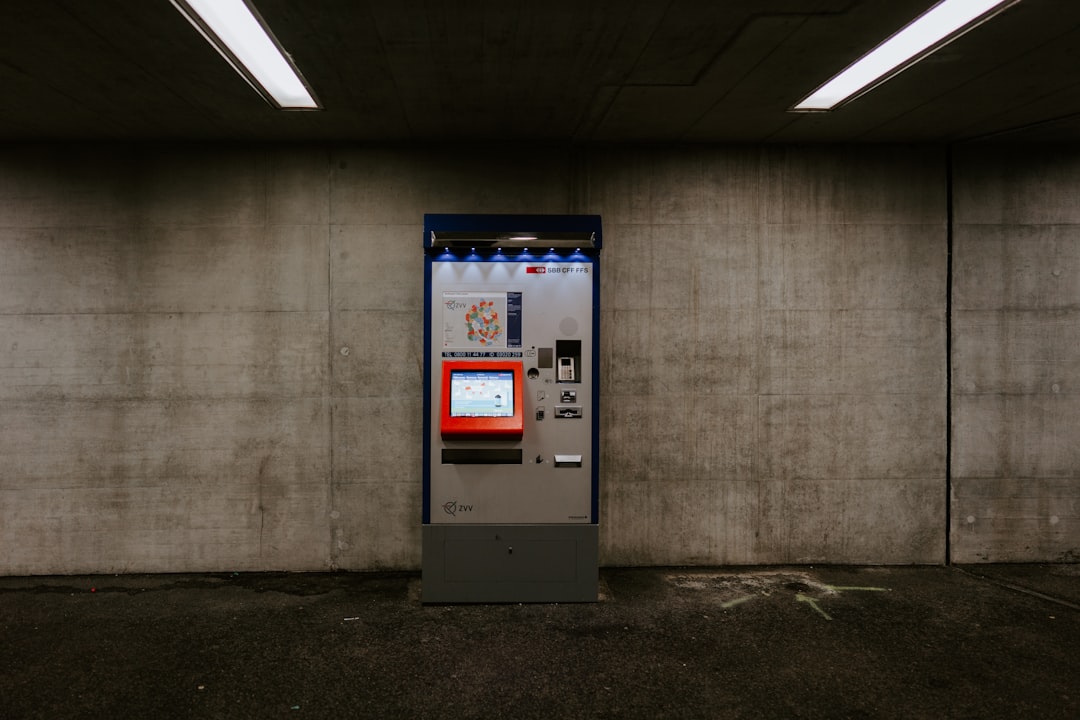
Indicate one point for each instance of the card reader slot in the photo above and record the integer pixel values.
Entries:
(481, 456)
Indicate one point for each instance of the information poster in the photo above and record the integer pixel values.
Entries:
(479, 324)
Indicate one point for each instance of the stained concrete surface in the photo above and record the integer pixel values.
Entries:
(210, 355)
(778, 642)
(1014, 484)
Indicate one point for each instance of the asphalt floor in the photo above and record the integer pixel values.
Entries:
(985, 641)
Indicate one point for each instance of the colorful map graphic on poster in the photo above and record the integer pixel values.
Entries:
(474, 320)
(483, 325)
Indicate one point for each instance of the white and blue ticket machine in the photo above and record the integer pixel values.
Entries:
(511, 397)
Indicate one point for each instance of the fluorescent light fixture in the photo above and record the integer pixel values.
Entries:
(239, 33)
(935, 28)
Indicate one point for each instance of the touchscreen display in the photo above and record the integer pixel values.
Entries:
(481, 393)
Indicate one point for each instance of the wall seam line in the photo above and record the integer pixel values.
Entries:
(333, 524)
(949, 221)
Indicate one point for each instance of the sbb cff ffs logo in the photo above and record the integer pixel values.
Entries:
(541, 270)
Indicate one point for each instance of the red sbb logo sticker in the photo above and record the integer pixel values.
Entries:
(533, 270)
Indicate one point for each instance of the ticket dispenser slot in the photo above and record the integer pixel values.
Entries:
(568, 411)
(510, 487)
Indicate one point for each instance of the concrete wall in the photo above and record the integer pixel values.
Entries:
(210, 357)
(164, 364)
(773, 334)
(1016, 355)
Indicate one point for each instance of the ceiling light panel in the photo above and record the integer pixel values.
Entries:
(239, 33)
(938, 26)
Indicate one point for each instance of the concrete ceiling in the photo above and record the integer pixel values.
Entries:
(582, 71)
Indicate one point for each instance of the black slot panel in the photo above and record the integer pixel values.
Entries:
(481, 456)
(568, 349)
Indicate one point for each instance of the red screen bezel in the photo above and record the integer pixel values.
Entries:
(479, 428)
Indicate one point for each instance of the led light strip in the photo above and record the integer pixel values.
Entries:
(239, 33)
(935, 28)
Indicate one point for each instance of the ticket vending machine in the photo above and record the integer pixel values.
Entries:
(511, 423)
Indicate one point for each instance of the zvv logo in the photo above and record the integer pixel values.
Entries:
(452, 508)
